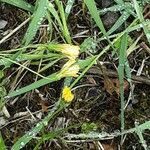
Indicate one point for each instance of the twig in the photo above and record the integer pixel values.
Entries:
(110, 73)
(13, 31)
(145, 47)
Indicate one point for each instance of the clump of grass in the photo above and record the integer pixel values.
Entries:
(52, 53)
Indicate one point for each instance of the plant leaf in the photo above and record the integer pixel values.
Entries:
(2, 144)
(119, 22)
(37, 18)
(20, 3)
(141, 18)
(33, 86)
(95, 15)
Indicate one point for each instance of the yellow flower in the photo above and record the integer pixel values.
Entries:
(71, 51)
(67, 95)
(69, 69)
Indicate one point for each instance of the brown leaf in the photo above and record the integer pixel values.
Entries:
(44, 105)
(91, 80)
(108, 147)
(109, 86)
(117, 85)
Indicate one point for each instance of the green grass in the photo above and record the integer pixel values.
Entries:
(20, 4)
(2, 144)
(141, 18)
(57, 16)
(121, 68)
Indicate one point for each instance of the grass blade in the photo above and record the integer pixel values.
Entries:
(34, 85)
(68, 7)
(2, 144)
(34, 25)
(141, 18)
(20, 3)
(48, 65)
(55, 14)
(95, 15)
(119, 22)
(60, 19)
(139, 133)
(65, 30)
(122, 58)
(35, 130)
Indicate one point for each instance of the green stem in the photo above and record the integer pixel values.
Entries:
(37, 84)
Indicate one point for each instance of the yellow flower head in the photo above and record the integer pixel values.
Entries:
(69, 69)
(68, 50)
(71, 51)
(67, 95)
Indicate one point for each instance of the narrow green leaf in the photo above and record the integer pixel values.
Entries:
(8, 63)
(20, 3)
(68, 7)
(65, 30)
(122, 58)
(48, 65)
(119, 22)
(95, 15)
(141, 18)
(88, 45)
(61, 20)
(113, 8)
(139, 133)
(55, 14)
(139, 26)
(2, 144)
(39, 126)
(35, 23)
(125, 7)
(37, 84)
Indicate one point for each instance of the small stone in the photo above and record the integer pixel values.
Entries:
(2, 121)
(109, 19)
(3, 24)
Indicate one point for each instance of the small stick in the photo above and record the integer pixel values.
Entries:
(145, 47)
(110, 73)
(13, 31)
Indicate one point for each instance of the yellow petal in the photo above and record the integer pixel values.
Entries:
(67, 95)
(71, 51)
(69, 69)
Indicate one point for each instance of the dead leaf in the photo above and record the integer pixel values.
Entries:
(91, 80)
(109, 86)
(108, 147)
(113, 85)
(44, 105)
(117, 85)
